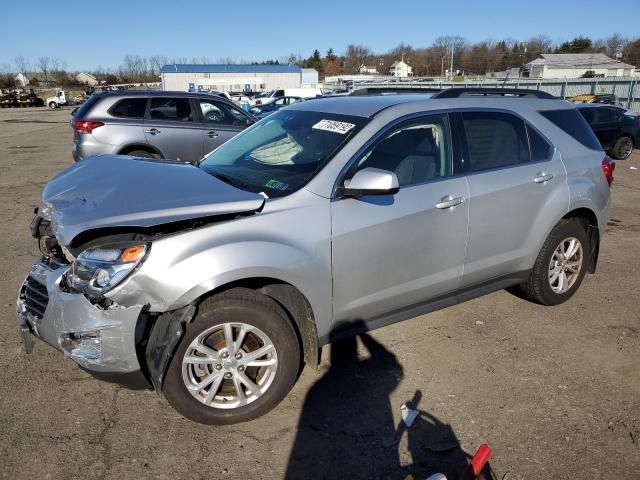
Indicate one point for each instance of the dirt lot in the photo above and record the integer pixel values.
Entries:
(554, 391)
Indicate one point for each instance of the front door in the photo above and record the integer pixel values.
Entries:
(392, 252)
(220, 122)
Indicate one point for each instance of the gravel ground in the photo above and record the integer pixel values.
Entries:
(553, 390)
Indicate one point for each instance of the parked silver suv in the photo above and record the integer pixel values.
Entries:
(215, 283)
(171, 125)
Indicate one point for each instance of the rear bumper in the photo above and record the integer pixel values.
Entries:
(111, 353)
(86, 147)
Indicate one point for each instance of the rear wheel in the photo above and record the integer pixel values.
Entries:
(622, 148)
(238, 359)
(560, 266)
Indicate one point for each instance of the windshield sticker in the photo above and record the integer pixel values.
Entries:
(276, 185)
(334, 126)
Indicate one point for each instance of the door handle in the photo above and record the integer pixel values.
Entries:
(152, 131)
(212, 134)
(543, 177)
(449, 201)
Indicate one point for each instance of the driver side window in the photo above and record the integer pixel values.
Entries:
(221, 114)
(417, 151)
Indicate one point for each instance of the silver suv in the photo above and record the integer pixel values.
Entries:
(171, 125)
(215, 283)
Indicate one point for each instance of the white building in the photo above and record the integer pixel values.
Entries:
(232, 78)
(365, 70)
(86, 79)
(21, 80)
(575, 65)
(309, 77)
(400, 69)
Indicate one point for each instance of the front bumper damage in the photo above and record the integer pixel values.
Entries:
(100, 340)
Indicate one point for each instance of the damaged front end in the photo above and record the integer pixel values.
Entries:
(59, 304)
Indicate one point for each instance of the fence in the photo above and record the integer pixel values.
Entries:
(626, 89)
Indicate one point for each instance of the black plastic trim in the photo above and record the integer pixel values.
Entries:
(350, 328)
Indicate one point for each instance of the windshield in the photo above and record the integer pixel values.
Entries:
(265, 94)
(283, 152)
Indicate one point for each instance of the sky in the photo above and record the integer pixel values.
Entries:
(90, 34)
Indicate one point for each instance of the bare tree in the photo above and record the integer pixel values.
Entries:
(538, 44)
(612, 45)
(43, 64)
(355, 56)
(22, 64)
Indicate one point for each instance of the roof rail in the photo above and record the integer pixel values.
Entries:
(485, 92)
(389, 90)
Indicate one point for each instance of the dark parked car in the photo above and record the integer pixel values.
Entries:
(618, 133)
(171, 125)
(264, 110)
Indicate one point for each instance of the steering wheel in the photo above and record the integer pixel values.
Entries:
(214, 116)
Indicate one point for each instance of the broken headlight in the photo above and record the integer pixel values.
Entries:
(97, 270)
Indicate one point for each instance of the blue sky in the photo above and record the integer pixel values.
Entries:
(91, 34)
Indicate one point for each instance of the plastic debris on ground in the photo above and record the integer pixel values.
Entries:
(408, 415)
(633, 168)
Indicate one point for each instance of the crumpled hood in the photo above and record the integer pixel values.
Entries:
(122, 191)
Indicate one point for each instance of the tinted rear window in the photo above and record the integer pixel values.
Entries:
(571, 122)
(86, 106)
(495, 140)
(129, 108)
(540, 149)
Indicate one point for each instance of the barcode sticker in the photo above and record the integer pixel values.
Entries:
(334, 126)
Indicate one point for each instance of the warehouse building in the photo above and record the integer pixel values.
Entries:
(232, 78)
(575, 65)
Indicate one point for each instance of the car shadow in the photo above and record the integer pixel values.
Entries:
(346, 427)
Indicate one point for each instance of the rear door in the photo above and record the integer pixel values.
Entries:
(170, 127)
(219, 122)
(516, 183)
(604, 122)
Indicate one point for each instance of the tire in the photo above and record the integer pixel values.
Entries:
(539, 287)
(53, 105)
(238, 306)
(623, 148)
(142, 153)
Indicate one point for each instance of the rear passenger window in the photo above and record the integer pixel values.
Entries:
(176, 109)
(417, 151)
(495, 140)
(571, 122)
(540, 149)
(130, 108)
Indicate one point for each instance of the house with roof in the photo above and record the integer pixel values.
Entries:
(84, 78)
(367, 70)
(232, 78)
(400, 69)
(576, 65)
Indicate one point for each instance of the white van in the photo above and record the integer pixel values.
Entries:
(270, 96)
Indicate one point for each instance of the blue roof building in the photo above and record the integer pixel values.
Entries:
(230, 78)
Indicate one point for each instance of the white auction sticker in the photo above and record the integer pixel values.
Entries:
(334, 126)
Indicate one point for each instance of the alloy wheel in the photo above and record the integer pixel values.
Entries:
(565, 265)
(229, 365)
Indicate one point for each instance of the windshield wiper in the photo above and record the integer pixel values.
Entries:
(230, 181)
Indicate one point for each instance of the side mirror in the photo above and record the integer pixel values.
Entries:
(370, 181)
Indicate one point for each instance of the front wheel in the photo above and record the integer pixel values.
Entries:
(238, 359)
(560, 266)
(53, 105)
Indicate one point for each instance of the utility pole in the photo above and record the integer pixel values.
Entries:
(451, 69)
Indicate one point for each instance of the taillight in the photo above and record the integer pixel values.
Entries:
(608, 166)
(86, 126)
